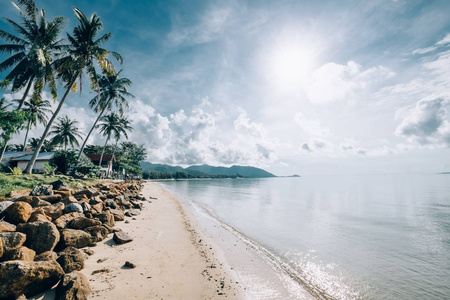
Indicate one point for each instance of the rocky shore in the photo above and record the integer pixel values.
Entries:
(46, 234)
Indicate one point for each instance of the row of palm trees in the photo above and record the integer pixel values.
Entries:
(39, 58)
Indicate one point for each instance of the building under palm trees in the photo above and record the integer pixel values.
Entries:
(106, 163)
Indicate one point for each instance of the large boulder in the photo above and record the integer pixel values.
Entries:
(21, 253)
(97, 208)
(18, 212)
(82, 223)
(85, 193)
(110, 203)
(74, 286)
(41, 236)
(4, 205)
(106, 217)
(62, 221)
(73, 207)
(59, 184)
(71, 259)
(42, 190)
(12, 240)
(7, 227)
(19, 193)
(28, 277)
(122, 237)
(45, 256)
(98, 232)
(38, 214)
(75, 238)
(32, 200)
(54, 211)
(118, 214)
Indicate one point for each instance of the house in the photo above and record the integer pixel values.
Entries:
(107, 162)
(7, 156)
(23, 160)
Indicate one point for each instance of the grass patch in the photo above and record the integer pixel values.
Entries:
(9, 183)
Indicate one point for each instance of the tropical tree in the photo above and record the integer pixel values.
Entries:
(47, 146)
(113, 125)
(4, 105)
(113, 91)
(82, 52)
(32, 51)
(36, 112)
(66, 132)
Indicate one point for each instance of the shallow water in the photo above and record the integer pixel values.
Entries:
(348, 237)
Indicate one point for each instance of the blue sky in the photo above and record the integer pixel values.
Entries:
(291, 86)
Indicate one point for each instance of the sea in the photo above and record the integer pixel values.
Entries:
(340, 236)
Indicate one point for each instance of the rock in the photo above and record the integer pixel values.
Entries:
(54, 211)
(62, 221)
(132, 212)
(18, 212)
(136, 205)
(19, 193)
(73, 207)
(106, 218)
(7, 227)
(32, 200)
(86, 206)
(63, 194)
(88, 252)
(42, 190)
(51, 198)
(4, 205)
(69, 200)
(75, 238)
(21, 297)
(82, 223)
(111, 203)
(74, 286)
(95, 200)
(45, 256)
(98, 208)
(88, 193)
(28, 277)
(12, 240)
(122, 238)
(88, 214)
(98, 233)
(59, 184)
(118, 214)
(110, 229)
(129, 265)
(41, 236)
(21, 253)
(1, 247)
(38, 215)
(71, 259)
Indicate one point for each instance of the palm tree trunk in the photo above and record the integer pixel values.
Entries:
(25, 94)
(50, 123)
(26, 135)
(92, 129)
(103, 151)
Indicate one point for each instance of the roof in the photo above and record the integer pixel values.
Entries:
(10, 155)
(41, 156)
(96, 157)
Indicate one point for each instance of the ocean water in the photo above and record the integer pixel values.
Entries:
(347, 237)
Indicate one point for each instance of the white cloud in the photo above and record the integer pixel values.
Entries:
(426, 123)
(335, 82)
(312, 127)
(443, 42)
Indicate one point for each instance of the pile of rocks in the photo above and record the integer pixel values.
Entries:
(42, 230)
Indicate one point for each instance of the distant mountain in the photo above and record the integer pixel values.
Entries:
(205, 170)
(243, 171)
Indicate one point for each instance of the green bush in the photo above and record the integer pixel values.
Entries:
(63, 160)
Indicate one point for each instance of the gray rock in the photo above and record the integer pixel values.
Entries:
(73, 207)
(111, 203)
(122, 238)
(42, 190)
(74, 286)
(41, 236)
(75, 238)
(132, 212)
(12, 240)
(4, 205)
(59, 184)
(28, 277)
(71, 259)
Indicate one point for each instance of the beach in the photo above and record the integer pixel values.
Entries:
(173, 261)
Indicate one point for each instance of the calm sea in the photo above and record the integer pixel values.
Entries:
(351, 237)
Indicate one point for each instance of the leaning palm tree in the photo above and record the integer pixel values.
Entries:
(113, 91)
(32, 51)
(66, 132)
(36, 113)
(82, 52)
(113, 125)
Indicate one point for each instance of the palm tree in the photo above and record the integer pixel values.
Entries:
(3, 105)
(36, 112)
(32, 52)
(47, 146)
(113, 125)
(83, 50)
(66, 132)
(113, 91)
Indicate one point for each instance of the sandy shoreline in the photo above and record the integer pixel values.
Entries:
(172, 260)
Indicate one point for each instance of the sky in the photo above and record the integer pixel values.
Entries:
(294, 87)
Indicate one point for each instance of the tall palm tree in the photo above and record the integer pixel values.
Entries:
(32, 52)
(36, 113)
(113, 91)
(48, 146)
(4, 105)
(113, 125)
(82, 51)
(66, 132)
